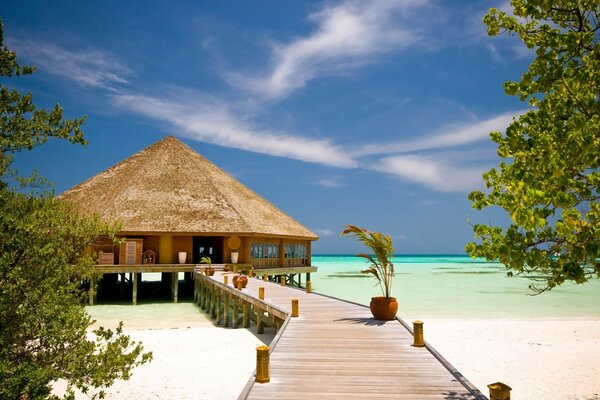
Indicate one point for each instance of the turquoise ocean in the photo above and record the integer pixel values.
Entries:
(454, 286)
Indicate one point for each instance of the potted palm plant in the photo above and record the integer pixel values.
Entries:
(208, 271)
(380, 265)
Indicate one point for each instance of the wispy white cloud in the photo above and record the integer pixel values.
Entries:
(211, 121)
(450, 136)
(434, 172)
(347, 35)
(324, 232)
(90, 67)
(329, 182)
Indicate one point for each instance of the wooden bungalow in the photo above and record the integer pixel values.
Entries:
(175, 207)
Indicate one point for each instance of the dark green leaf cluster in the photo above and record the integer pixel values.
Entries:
(549, 182)
(380, 261)
(44, 329)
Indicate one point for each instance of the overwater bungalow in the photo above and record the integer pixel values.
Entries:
(175, 207)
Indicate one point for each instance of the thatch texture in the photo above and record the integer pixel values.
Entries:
(168, 187)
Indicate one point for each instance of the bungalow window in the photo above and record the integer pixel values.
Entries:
(264, 254)
(296, 254)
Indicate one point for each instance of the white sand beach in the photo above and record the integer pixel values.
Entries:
(193, 359)
(538, 358)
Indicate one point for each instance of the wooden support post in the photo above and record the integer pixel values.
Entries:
(174, 285)
(419, 341)
(92, 291)
(499, 391)
(246, 315)
(220, 312)
(309, 287)
(226, 310)
(262, 364)
(135, 288)
(260, 323)
(295, 307)
(196, 287)
(213, 302)
(235, 314)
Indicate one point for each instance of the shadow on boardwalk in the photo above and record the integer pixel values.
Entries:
(364, 321)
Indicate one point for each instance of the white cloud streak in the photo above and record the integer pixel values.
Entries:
(212, 122)
(87, 67)
(451, 137)
(433, 172)
(329, 183)
(347, 35)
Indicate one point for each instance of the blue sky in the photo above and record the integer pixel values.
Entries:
(340, 112)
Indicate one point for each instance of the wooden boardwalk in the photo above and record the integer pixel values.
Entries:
(336, 350)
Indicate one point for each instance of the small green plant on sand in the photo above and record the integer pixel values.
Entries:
(380, 261)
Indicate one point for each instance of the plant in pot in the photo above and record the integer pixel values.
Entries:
(208, 271)
(384, 307)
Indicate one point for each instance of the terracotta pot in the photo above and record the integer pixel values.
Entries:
(240, 278)
(209, 271)
(384, 308)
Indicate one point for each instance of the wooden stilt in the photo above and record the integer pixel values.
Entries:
(135, 288)
(174, 286)
(246, 316)
(226, 309)
(92, 291)
(260, 323)
(235, 321)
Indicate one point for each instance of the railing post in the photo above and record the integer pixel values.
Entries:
(262, 364)
(499, 391)
(418, 334)
(295, 307)
(261, 293)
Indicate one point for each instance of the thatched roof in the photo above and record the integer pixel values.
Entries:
(168, 187)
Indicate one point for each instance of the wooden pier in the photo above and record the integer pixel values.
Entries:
(334, 349)
(292, 275)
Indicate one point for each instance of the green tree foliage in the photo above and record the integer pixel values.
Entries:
(44, 329)
(549, 182)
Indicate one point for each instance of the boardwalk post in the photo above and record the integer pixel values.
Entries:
(246, 315)
(135, 288)
(261, 293)
(250, 273)
(418, 334)
(92, 291)
(260, 323)
(309, 287)
(175, 285)
(295, 307)
(499, 391)
(262, 364)
(282, 280)
(225, 280)
(265, 277)
(240, 285)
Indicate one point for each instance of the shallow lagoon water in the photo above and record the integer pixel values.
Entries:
(448, 286)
